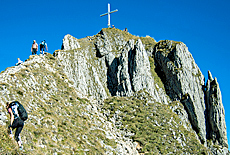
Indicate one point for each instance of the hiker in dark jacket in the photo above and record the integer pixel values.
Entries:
(43, 47)
(15, 122)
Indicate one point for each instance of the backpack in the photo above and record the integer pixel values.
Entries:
(21, 110)
(43, 43)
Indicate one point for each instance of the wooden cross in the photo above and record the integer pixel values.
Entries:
(108, 13)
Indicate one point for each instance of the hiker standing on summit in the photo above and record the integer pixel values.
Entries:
(16, 122)
(34, 48)
(43, 47)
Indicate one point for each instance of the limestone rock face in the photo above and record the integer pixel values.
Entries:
(69, 43)
(85, 73)
(119, 67)
(131, 72)
(183, 81)
(215, 113)
(106, 43)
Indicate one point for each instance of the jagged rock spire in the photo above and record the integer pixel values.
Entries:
(216, 130)
(210, 76)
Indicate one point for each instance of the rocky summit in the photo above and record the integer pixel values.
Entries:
(114, 93)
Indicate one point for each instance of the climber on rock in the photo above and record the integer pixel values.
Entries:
(15, 122)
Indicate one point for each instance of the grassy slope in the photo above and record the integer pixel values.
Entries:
(155, 126)
(58, 119)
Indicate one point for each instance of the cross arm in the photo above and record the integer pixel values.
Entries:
(108, 13)
(114, 11)
(104, 14)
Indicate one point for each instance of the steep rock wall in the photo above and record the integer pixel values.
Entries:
(183, 81)
(120, 66)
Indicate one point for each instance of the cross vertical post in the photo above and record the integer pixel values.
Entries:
(108, 13)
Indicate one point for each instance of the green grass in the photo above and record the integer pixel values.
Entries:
(154, 74)
(7, 145)
(149, 43)
(149, 123)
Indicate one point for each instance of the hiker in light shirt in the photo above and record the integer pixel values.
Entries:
(34, 48)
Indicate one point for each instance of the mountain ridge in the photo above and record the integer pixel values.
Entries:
(115, 64)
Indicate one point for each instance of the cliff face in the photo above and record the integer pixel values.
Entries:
(183, 81)
(139, 96)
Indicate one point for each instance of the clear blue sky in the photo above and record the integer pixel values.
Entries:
(204, 26)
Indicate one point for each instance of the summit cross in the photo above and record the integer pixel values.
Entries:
(108, 13)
